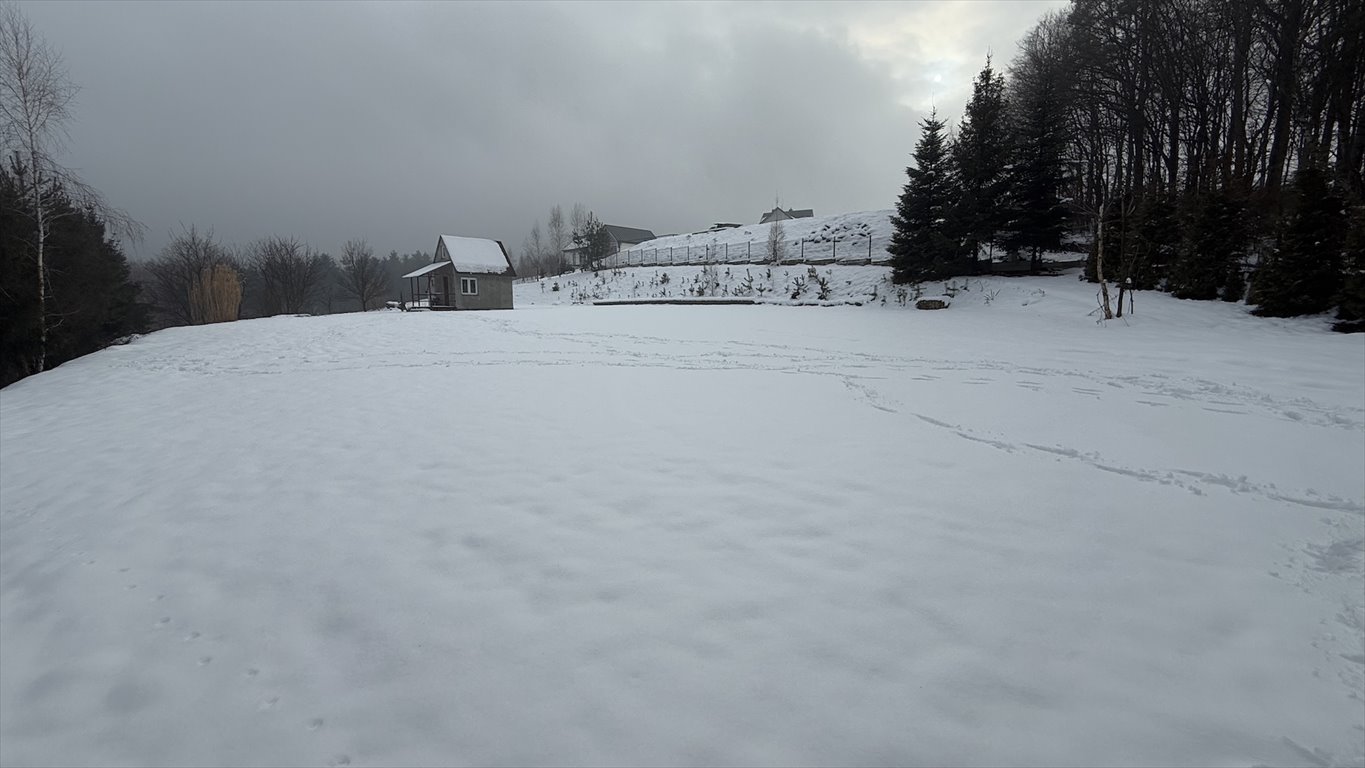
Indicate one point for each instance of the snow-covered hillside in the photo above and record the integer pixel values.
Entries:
(846, 237)
(802, 284)
(752, 535)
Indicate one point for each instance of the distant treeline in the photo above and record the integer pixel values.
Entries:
(271, 276)
(95, 297)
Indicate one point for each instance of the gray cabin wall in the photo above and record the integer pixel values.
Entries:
(495, 292)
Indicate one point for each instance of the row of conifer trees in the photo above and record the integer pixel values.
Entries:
(1208, 149)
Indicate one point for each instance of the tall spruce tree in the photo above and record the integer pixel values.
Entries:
(921, 248)
(1351, 300)
(980, 158)
(1303, 274)
(1041, 94)
(1208, 264)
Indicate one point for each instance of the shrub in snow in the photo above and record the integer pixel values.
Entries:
(746, 286)
(933, 302)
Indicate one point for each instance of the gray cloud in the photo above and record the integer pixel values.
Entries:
(397, 122)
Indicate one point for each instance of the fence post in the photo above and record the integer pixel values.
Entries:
(727, 253)
(834, 250)
(803, 249)
(749, 250)
(869, 249)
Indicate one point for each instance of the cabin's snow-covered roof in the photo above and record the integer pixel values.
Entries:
(475, 255)
(428, 268)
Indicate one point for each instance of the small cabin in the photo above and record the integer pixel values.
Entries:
(466, 273)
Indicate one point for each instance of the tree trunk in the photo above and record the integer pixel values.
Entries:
(40, 246)
(1286, 61)
(1099, 264)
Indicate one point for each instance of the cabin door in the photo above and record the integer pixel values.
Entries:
(445, 290)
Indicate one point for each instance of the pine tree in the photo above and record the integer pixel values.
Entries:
(1156, 237)
(1351, 300)
(920, 248)
(91, 300)
(593, 239)
(1039, 100)
(980, 158)
(1303, 275)
(1208, 262)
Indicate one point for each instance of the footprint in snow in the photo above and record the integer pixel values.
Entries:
(315, 724)
(339, 760)
(204, 660)
(268, 703)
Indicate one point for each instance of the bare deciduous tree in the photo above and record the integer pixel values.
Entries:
(777, 242)
(557, 238)
(534, 254)
(35, 105)
(177, 273)
(290, 273)
(578, 219)
(362, 275)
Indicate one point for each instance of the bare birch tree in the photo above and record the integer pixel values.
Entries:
(36, 97)
(362, 275)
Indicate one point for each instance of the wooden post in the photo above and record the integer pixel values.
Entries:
(834, 249)
(803, 249)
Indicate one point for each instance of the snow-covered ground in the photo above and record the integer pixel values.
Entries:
(996, 534)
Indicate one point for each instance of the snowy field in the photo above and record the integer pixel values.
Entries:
(1000, 534)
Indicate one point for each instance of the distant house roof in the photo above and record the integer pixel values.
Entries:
(777, 214)
(473, 255)
(628, 234)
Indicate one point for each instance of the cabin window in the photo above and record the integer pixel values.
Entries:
(469, 286)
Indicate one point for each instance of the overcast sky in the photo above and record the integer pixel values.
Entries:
(397, 122)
